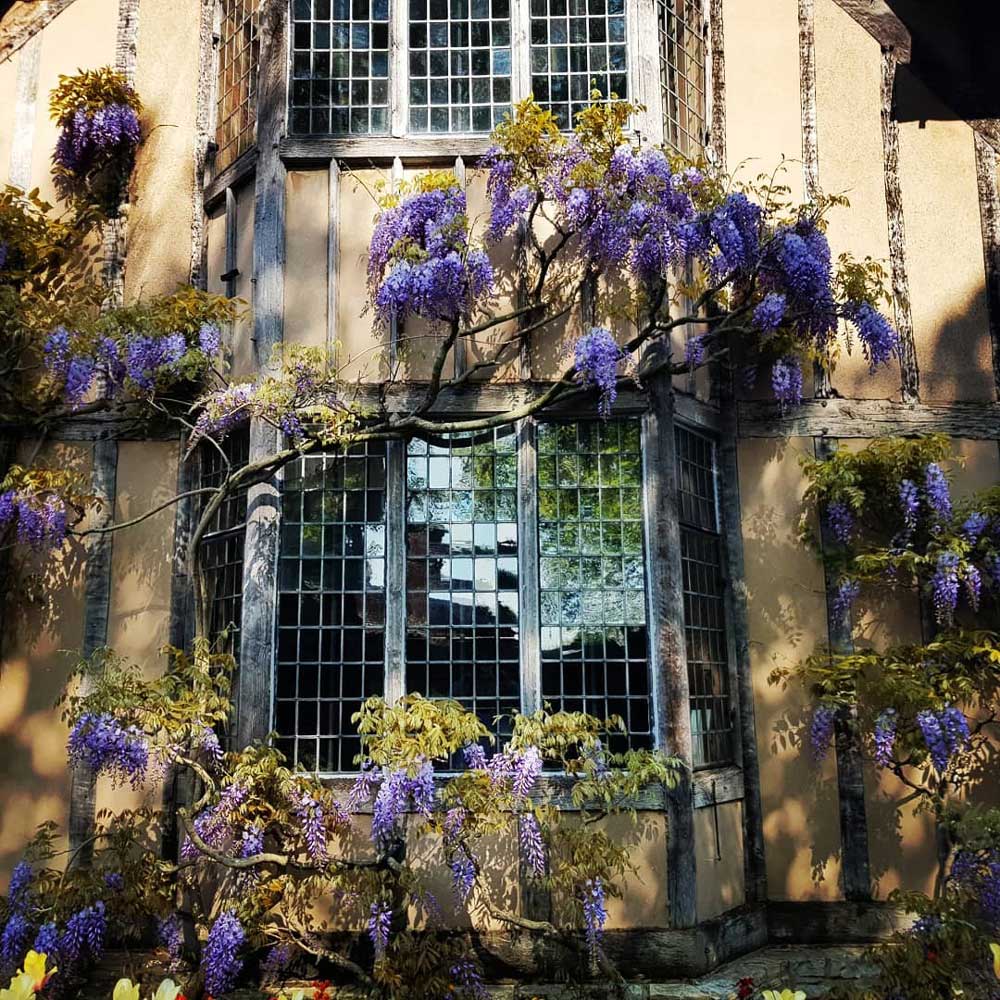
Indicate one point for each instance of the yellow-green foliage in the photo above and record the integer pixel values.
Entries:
(90, 90)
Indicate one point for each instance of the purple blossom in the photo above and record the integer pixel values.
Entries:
(276, 963)
(313, 824)
(786, 381)
(463, 874)
(57, 351)
(879, 341)
(694, 351)
(973, 581)
(169, 933)
(396, 792)
(821, 730)
(526, 770)
(508, 202)
(532, 844)
(944, 587)
(19, 885)
(938, 492)
(595, 912)
(114, 881)
(87, 138)
(84, 935)
(102, 744)
(47, 942)
(597, 358)
(207, 743)
(214, 824)
(454, 823)
(79, 378)
(364, 785)
(975, 525)
(945, 734)
(209, 339)
(847, 593)
(885, 736)
(220, 960)
(475, 756)
(252, 841)
(14, 941)
(39, 522)
(909, 501)
(840, 521)
(467, 981)
(380, 927)
(225, 409)
(798, 262)
(769, 312)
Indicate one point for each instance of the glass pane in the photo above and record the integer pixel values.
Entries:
(236, 113)
(593, 599)
(681, 29)
(340, 66)
(462, 624)
(460, 64)
(331, 609)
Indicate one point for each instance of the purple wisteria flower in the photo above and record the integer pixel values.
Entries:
(973, 581)
(975, 525)
(879, 341)
(821, 730)
(885, 736)
(39, 521)
(475, 756)
(769, 312)
(364, 785)
(19, 886)
(252, 841)
(527, 767)
(694, 351)
(597, 358)
(944, 587)
(454, 823)
(170, 934)
(532, 844)
(313, 825)
(380, 927)
(220, 961)
(214, 824)
(86, 137)
(208, 746)
(467, 981)
(3, 254)
(114, 881)
(840, 521)
(595, 912)
(397, 792)
(84, 934)
(14, 941)
(47, 942)
(786, 381)
(844, 598)
(909, 502)
(945, 734)
(463, 874)
(276, 964)
(938, 492)
(209, 339)
(509, 202)
(103, 744)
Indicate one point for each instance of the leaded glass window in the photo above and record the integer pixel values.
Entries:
(331, 604)
(594, 636)
(682, 27)
(237, 85)
(340, 67)
(460, 64)
(462, 616)
(577, 46)
(704, 601)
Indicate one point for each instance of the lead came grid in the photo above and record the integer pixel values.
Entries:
(592, 574)
(681, 26)
(462, 634)
(340, 67)
(577, 46)
(460, 64)
(236, 111)
(331, 604)
(704, 602)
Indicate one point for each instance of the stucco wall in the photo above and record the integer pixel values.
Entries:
(718, 834)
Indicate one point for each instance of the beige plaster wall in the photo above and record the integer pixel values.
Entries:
(721, 884)
(44, 618)
(8, 94)
(944, 259)
(161, 213)
(787, 619)
(763, 117)
(849, 138)
(307, 194)
(81, 37)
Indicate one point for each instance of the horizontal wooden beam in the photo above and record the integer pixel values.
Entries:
(867, 418)
(717, 785)
(237, 173)
(304, 150)
(839, 922)
(878, 19)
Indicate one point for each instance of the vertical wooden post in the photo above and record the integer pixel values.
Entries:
(395, 571)
(529, 619)
(855, 864)
(667, 645)
(459, 351)
(260, 562)
(754, 860)
(25, 112)
(395, 327)
(716, 81)
(909, 373)
(96, 609)
(332, 261)
(989, 215)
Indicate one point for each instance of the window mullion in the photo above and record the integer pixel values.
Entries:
(520, 24)
(395, 571)
(398, 70)
(527, 530)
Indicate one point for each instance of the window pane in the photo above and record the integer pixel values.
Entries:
(237, 84)
(592, 574)
(682, 74)
(462, 634)
(704, 602)
(460, 64)
(331, 604)
(577, 46)
(340, 67)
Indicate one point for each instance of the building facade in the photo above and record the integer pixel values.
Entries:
(647, 566)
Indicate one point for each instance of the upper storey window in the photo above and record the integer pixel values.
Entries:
(453, 66)
(238, 51)
(682, 28)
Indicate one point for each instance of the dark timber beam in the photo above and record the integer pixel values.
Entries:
(989, 215)
(667, 643)
(253, 688)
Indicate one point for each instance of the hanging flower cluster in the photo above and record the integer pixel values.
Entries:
(97, 113)
(597, 358)
(220, 961)
(420, 262)
(102, 744)
(39, 521)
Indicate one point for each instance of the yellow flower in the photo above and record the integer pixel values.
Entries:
(995, 948)
(21, 987)
(167, 990)
(785, 994)
(34, 966)
(125, 989)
